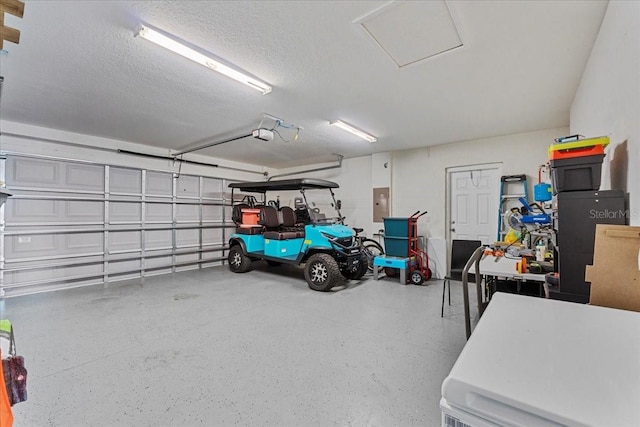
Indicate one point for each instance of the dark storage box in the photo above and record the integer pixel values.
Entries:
(396, 227)
(396, 246)
(576, 174)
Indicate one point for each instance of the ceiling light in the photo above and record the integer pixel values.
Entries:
(205, 60)
(358, 132)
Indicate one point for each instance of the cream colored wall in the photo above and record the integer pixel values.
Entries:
(608, 100)
(419, 175)
(418, 180)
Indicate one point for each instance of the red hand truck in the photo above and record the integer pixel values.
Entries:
(419, 265)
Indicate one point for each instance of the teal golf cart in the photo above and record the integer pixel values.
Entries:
(311, 233)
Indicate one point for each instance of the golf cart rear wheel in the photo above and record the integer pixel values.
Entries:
(360, 270)
(322, 272)
(238, 261)
(416, 277)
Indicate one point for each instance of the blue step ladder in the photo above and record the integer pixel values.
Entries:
(512, 187)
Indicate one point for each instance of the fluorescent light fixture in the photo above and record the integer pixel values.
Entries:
(209, 62)
(355, 131)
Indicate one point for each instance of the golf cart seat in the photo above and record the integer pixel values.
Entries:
(269, 219)
(250, 230)
(236, 213)
(245, 220)
(289, 221)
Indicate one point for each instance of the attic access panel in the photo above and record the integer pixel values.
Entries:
(410, 32)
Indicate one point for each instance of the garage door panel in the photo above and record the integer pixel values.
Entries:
(157, 239)
(211, 236)
(37, 173)
(16, 277)
(30, 246)
(125, 180)
(159, 183)
(32, 172)
(187, 213)
(83, 177)
(187, 258)
(212, 213)
(188, 186)
(82, 242)
(52, 245)
(159, 262)
(212, 255)
(124, 241)
(158, 212)
(187, 238)
(124, 212)
(116, 267)
(23, 210)
(53, 211)
(212, 188)
(83, 211)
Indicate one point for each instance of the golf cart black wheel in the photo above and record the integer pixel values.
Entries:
(273, 263)
(391, 272)
(238, 261)
(322, 272)
(359, 271)
(416, 277)
(371, 249)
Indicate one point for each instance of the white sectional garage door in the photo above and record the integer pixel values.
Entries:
(73, 224)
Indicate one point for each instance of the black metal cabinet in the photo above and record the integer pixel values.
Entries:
(576, 216)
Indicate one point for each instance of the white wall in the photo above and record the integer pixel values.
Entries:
(608, 99)
(419, 175)
(381, 167)
(418, 179)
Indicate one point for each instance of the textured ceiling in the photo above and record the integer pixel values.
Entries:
(79, 68)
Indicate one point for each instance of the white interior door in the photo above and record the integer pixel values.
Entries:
(474, 195)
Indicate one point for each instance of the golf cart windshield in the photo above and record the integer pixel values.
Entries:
(312, 199)
(321, 206)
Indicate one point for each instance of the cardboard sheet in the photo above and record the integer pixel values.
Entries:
(615, 273)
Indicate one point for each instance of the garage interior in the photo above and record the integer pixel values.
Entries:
(125, 125)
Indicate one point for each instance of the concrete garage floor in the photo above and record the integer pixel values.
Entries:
(210, 347)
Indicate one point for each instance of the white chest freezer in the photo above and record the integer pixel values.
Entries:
(539, 362)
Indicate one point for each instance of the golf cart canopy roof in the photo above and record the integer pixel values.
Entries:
(283, 185)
